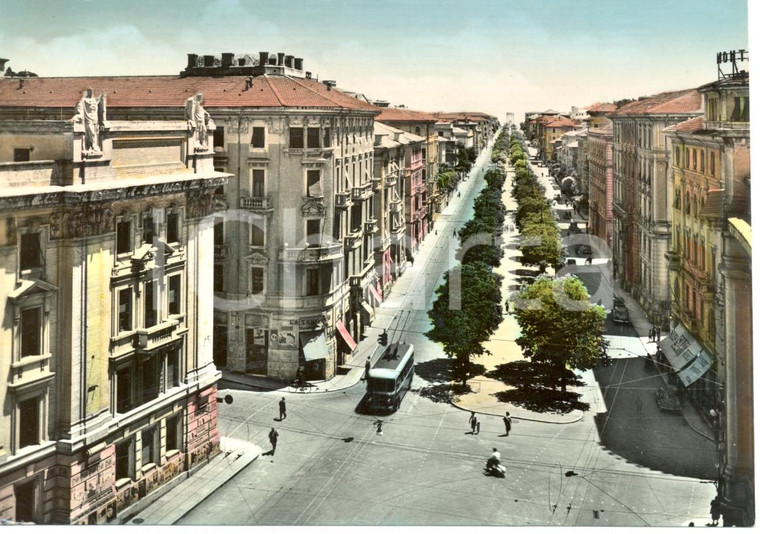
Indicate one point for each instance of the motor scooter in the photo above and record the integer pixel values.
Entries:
(494, 468)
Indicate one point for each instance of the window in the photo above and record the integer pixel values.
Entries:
(22, 154)
(173, 433)
(29, 422)
(313, 183)
(123, 390)
(296, 137)
(25, 495)
(125, 310)
(701, 161)
(123, 237)
(30, 251)
(312, 282)
(218, 277)
(257, 139)
(257, 183)
(312, 232)
(678, 156)
(219, 137)
(125, 459)
(150, 385)
(257, 235)
(712, 163)
(740, 111)
(172, 228)
(175, 294)
(172, 368)
(257, 280)
(148, 453)
(327, 139)
(149, 304)
(31, 332)
(694, 159)
(312, 137)
(147, 236)
(219, 231)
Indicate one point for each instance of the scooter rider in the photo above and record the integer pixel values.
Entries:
(494, 460)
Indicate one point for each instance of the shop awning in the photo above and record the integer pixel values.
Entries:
(366, 308)
(686, 356)
(314, 346)
(376, 294)
(344, 333)
(696, 368)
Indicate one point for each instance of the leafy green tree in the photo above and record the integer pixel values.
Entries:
(560, 329)
(541, 245)
(466, 319)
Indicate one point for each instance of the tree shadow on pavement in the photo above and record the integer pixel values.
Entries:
(533, 387)
(438, 374)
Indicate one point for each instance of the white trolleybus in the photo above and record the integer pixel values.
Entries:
(390, 378)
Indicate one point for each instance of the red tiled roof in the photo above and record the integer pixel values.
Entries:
(404, 115)
(561, 122)
(689, 126)
(601, 107)
(686, 101)
(172, 91)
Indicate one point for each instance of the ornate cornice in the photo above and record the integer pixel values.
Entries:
(64, 198)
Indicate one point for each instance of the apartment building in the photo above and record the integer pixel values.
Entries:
(106, 333)
(642, 228)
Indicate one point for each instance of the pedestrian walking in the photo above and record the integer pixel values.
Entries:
(507, 423)
(477, 427)
(367, 365)
(715, 512)
(658, 331)
(473, 422)
(651, 334)
(273, 439)
(283, 415)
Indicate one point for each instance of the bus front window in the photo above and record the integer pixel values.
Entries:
(383, 385)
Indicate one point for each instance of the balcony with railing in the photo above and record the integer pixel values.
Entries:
(370, 226)
(156, 336)
(313, 254)
(221, 252)
(354, 238)
(257, 204)
(343, 200)
(361, 192)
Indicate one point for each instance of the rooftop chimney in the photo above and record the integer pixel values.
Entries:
(263, 58)
(280, 58)
(329, 83)
(192, 61)
(298, 63)
(308, 75)
(227, 59)
(289, 61)
(208, 61)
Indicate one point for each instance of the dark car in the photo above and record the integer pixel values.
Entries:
(584, 250)
(573, 229)
(620, 315)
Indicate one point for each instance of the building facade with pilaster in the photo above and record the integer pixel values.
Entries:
(106, 338)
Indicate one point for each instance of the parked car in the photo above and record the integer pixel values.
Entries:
(667, 399)
(584, 250)
(570, 261)
(620, 315)
(573, 229)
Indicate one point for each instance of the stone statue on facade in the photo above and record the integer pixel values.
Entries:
(91, 113)
(198, 120)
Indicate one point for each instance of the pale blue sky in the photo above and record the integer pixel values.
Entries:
(489, 55)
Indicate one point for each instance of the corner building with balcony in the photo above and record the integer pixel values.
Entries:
(106, 338)
(294, 273)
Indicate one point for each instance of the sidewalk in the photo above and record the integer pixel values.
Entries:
(174, 500)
